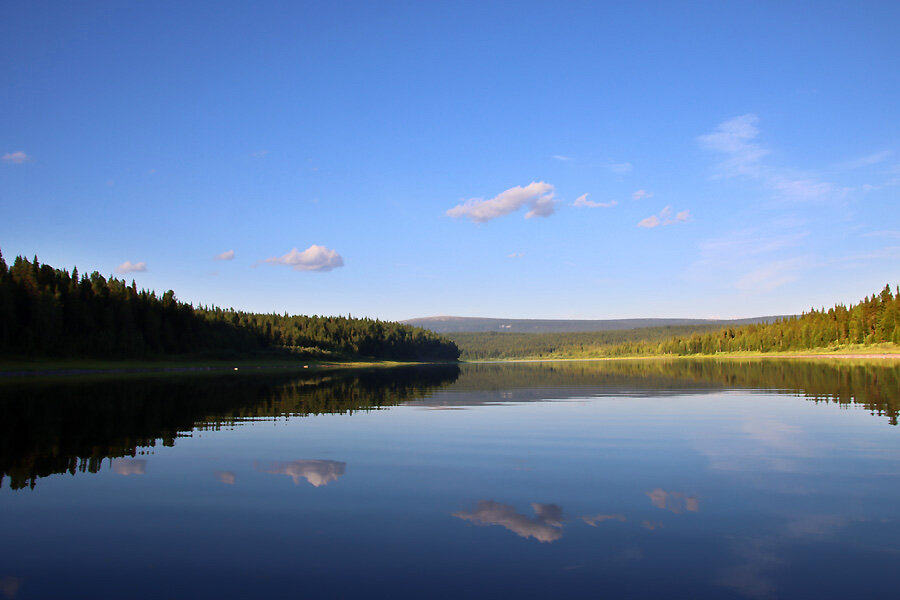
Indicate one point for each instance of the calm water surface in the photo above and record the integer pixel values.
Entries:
(621, 479)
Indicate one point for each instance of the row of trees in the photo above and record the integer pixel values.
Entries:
(46, 311)
(493, 345)
(875, 320)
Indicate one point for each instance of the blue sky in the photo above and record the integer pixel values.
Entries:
(397, 160)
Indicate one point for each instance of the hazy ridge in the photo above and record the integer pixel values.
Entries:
(449, 324)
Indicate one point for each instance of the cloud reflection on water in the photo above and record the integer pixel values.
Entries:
(227, 477)
(677, 502)
(316, 472)
(545, 526)
(129, 466)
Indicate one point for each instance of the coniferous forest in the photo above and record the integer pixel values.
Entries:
(51, 312)
(875, 320)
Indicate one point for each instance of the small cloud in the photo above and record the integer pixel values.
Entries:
(561, 157)
(545, 526)
(259, 154)
(638, 195)
(675, 502)
(314, 258)
(17, 158)
(618, 168)
(537, 195)
(316, 472)
(665, 218)
(129, 466)
(768, 276)
(592, 521)
(515, 255)
(227, 255)
(226, 477)
(583, 201)
(130, 267)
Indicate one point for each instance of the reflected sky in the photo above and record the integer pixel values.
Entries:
(637, 480)
(316, 472)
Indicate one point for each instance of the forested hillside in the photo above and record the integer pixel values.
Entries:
(875, 320)
(46, 311)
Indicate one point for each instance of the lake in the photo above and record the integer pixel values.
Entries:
(638, 479)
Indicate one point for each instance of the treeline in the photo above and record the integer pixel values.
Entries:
(494, 345)
(45, 311)
(875, 320)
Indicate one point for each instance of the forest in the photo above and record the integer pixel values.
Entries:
(51, 312)
(874, 320)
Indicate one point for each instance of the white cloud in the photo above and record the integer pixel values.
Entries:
(314, 258)
(537, 195)
(515, 255)
(734, 139)
(561, 157)
(316, 472)
(130, 267)
(545, 526)
(641, 194)
(665, 217)
(227, 255)
(583, 201)
(17, 158)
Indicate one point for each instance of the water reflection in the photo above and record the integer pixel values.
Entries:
(316, 472)
(226, 477)
(71, 426)
(9, 586)
(595, 519)
(545, 526)
(129, 466)
(675, 502)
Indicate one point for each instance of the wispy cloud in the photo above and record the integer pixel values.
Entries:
(314, 258)
(594, 519)
(770, 275)
(17, 158)
(734, 139)
(561, 157)
(537, 195)
(259, 154)
(583, 201)
(640, 194)
(130, 267)
(665, 217)
(866, 161)
(618, 168)
(515, 255)
(545, 526)
(227, 255)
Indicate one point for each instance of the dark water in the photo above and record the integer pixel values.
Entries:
(623, 479)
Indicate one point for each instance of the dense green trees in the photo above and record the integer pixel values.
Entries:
(874, 320)
(50, 312)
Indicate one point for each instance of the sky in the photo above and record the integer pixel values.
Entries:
(496, 159)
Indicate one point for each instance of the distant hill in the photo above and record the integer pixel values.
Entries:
(480, 325)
